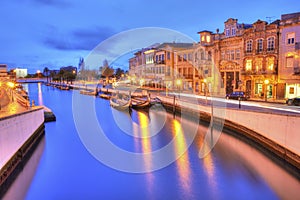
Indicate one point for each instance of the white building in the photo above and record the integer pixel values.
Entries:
(21, 73)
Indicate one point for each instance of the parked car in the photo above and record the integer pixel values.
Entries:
(293, 101)
(237, 95)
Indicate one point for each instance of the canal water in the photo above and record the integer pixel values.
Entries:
(64, 167)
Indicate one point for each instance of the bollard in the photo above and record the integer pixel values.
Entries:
(174, 109)
(239, 102)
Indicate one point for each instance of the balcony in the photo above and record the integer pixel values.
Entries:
(160, 62)
(258, 72)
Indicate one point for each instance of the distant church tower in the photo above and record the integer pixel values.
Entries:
(81, 64)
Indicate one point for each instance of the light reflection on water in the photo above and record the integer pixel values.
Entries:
(68, 171)
(183, 163)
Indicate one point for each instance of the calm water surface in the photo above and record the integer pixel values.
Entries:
(62, 168)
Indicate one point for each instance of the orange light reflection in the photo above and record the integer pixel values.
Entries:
(183, 163)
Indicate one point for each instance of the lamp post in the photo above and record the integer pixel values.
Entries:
(178, 83)
(266, 89)
(205, 89)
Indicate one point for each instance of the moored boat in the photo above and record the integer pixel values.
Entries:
(140, 104)
(120, 104)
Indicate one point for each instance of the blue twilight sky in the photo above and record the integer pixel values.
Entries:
(54, 33)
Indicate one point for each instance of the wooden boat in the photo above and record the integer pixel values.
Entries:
(105, 96)
(140, 103)
(120, 104)
(91, 93)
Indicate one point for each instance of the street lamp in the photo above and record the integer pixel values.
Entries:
(178, 83)
(205, 89)
(266, 85)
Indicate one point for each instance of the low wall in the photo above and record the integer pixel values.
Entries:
(279, 133)
(19, 133)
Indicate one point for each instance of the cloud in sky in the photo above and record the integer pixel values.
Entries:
(79, 39)
(60, 31)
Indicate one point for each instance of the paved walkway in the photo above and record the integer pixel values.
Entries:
(9, 106)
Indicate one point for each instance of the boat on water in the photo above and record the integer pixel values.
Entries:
(140, 103)
(121, 104)
(86, 92)
(104, 96)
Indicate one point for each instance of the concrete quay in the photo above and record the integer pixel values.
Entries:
(20, 132)
(276, 133)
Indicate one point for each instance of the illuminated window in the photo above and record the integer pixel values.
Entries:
(248, 65)
(207, 38)
(258, 64)
(290, 38)
(259, 45)
(271, 43)
(249, 46)
(270, 63)
(203, 38)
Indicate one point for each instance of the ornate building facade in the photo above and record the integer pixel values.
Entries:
(289, 60)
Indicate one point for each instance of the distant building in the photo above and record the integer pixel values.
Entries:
(3, 71)
(70, 69)
(21, 73)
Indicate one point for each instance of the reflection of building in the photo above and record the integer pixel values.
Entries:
(3, 71)
(289, 61)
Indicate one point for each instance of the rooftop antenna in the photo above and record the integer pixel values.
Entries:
(270, 19)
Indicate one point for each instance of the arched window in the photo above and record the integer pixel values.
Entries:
(249, 46)
(271, 44)
(259, 45)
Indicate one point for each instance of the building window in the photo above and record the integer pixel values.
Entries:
(184, 57)
(232, 55)
(271, 43)
(207, 38)
(292, 90)
(227, 55)
(237, 54)
(290, 38)
(290, 61)
(223, 55)
(202, 38)
(227, 32)
(168, 55)
(202, 55)
(190, 58)
(248, 65)
(259, 45)
(249, 46)
(233, 31)
(209, 55)
(258, 64)
(270, 63)
(179, 58)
